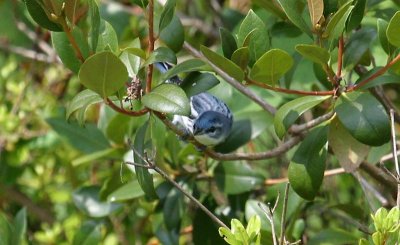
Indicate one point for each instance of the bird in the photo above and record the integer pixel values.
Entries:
(210, 120)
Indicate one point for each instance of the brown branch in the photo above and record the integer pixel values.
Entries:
(331, 172)
(150, 47)
(123, 111)
(233, 82)
(298, 128)
(340, 59)
(27, 53)
(375, 75)
(289, 91)
(379, 175)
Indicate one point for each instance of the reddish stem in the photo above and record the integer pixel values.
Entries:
(150, 48)
(123, 111)
(375, 75)
(290, 91)
(340, 59)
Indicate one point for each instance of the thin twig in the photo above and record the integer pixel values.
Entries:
(340, 59)
(150, 47)
(152, 165)
(233, 82)
(270, 216)
(298, 128)
(123, 111)
(284, 209)
(331, 172)
(28, 53)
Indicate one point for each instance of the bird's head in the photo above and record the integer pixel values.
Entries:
(212, 128)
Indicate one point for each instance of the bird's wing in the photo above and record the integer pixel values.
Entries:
(206, 102)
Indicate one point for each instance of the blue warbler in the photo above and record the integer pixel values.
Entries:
(210, 120)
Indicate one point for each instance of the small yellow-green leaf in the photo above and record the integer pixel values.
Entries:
(316, 9)
(392, 31)
(167, 98)
(103, 73)
(271, 66)
(336, 25)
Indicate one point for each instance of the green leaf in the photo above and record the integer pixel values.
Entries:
(173, 208)
(5, 230)
(253, 226)
(364, 117)
(336, 25)
(289, 112)
(145, 179)
(293, 10)
(135, 51)
(270, 7)
(381, 80)
(223, 63)
(82, 100)
(131, 57)
(20, 224)
(382, 26)
(341, 237)
(306, 169)
(314, 53)
(167, 14)
(173, 35)
(128, 191)
(65, 50)
(88, 234)
(358, 44)
(162, 54)
(350, 152)
(236, 177)
(228, 42)
(271, 66)
(89, 139)
(39, 16)
(259, 40)
(108, 39)
(316, 9)
(167, 98)
(103, 73)
(239, 231)
(186, 66)
(392, 31)
(94, 17)
(356, 15)
(196, 83)
(91, 157)
(228, 236)
(241, 57)
(246, 126)
(86, 199)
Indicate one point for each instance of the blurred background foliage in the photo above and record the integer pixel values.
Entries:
(65, 183)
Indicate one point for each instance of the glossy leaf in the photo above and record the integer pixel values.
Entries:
(259, 41)
(167, 14)
(88, 139)
(364, 117)
(103, 73)
(382, 26)
(20, 226)
(271, 66)
(82, 100)
(241, 57)
(356, 15)
(381, 80)
(223, 63)
(161, 54)
(108, 39)
(128, 191)
(271, 7)
(316, 9)
(145, 179)
(228, 42)
(39, 15)
(94, 16)
(357, 45)
(135, 51)
(392, 31)
(196, 83)
(185, 66)
(236, 177)
(293, 10)
(246, 126)
(173, 34)
(350, 152)
(88, 234)
(314, 53)
(289, 112)
(306, 169)
(173, 209)
(167, 98)
(336, 25)
(86, 199)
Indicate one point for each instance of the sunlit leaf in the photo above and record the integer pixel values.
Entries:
(316, 9)
(293, 10)
(314, 53)
(392, 31)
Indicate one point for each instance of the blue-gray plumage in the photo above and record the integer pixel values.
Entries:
(210, 120)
